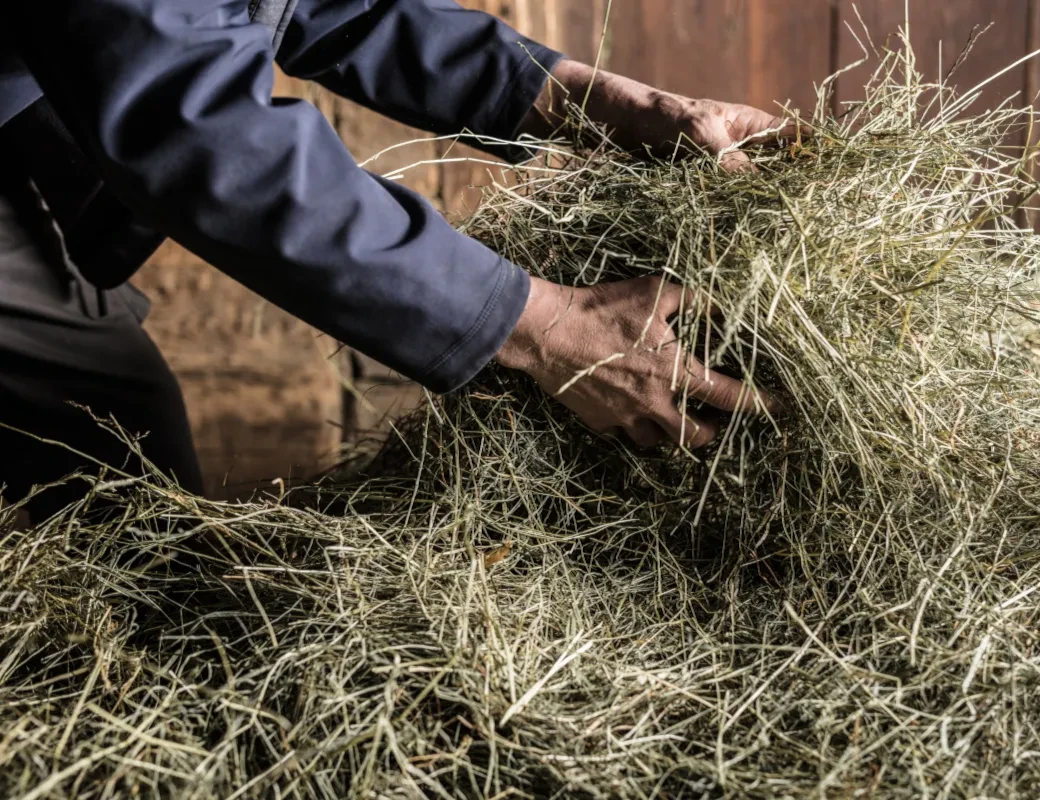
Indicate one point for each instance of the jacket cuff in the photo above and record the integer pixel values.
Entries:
(470, 354)
(534, 64)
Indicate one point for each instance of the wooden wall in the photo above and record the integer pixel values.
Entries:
(766, 51)
(265, 391)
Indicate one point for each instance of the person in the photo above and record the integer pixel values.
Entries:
(168, 104)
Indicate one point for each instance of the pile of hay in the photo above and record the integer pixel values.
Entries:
(840, 601)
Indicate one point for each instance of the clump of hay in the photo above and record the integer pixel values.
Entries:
(837, 601)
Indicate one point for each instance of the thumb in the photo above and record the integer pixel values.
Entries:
(731, 158)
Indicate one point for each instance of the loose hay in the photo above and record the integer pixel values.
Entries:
(837, 602)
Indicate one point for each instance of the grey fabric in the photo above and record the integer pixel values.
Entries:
(274, 15)
(64, 343)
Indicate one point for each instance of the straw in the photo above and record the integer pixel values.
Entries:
(837, 601)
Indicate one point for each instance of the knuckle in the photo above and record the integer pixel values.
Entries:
(633, 420)
(659, 338)
(693, 383)
(706, 108)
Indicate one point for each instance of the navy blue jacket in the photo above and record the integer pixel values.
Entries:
(172, 98)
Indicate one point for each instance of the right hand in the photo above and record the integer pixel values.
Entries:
(612, 352)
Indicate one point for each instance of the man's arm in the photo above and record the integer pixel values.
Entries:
(438, 67)
(428, 63)
(564, 331)
(433, 65)
(172, 100)
(442, 68)
(642, 118)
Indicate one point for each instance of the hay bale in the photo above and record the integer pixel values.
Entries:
(837, 601)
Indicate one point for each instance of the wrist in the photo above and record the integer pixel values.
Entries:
(633, 113)
(524, 349)
(549, 115)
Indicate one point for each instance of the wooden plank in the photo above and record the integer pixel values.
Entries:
(789, 53)
(691, 47)
(578, 29)
(759, 52)
(949, 23)
(460, 182)
(1032, 77)
(1031, 216)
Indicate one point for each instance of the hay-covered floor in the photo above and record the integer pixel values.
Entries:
(839, 601)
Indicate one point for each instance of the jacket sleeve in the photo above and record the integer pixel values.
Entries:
(172, 98)
(427, 63)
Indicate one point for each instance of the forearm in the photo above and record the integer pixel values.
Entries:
(610, 101)
(641, 118)
(175, 108)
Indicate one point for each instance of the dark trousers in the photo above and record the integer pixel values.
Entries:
(64, 347)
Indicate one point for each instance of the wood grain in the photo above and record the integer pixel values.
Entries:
(577, 28)
(789, 53)
(760, 52)
(948, 24)
(1031, 216)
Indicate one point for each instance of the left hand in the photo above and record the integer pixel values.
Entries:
(641, 117)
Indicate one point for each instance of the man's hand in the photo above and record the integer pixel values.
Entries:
(609, 354)
(639, 116)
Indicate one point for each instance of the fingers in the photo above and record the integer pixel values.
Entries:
(638, 358)
(754, 127)
(673, 298)
(721, 144)
(645, 433)
(714, 388)
(725, 393)
(688, 431)
(737, 161)
(757, 127)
